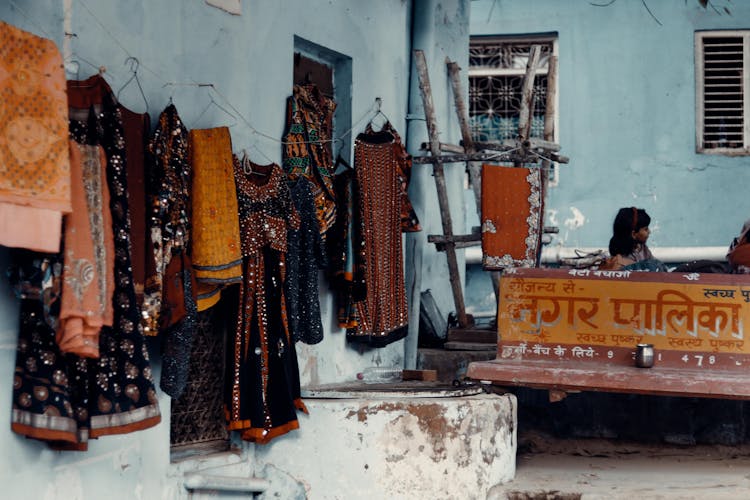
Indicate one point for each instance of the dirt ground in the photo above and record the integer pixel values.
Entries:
(570, 469)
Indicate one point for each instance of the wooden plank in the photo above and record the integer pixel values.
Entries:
(549, 112)
(458, 241)
(442, 191)
(527, 93)
(513, 144)
(441, 238)
(487, 157)
(477, 335)
(450, 148)
(582, 376)
(468, 346)
(474, 167)
(549, 109)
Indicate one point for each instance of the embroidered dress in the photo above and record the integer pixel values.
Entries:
(169, 296)
(113, 394)
(42, 404)
(88, 272)
(305, 256)
(307, 148)
(409, 220)
(116, 392)
(168, 192)
(136, 128)
(34, 163)
(512, 208)
(382, 315)
(264, 392)
(346, 268)
(216, 255)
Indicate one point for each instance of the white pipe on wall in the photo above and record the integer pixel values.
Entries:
(669, 255)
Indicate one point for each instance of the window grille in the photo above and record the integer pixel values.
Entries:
(722, 92)
(197, 419)
(497, 67)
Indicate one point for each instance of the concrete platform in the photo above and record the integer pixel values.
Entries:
(596, 469)
(394, 443)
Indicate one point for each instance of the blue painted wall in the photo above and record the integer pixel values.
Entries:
(627, 118)
(249, 59)
(441, 30)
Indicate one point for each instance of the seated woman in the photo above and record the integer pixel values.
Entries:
(739, 251)
(627, 247)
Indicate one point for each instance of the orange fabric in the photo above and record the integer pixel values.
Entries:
(38, 229)
(34, 164)
(217, 257)
(511, 216)
(88, 272)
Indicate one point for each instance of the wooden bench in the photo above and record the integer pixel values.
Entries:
(576, 330)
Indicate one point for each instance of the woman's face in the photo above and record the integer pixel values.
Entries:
(642, 234)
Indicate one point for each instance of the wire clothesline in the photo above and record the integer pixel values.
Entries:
(29, 18)
(372, 112)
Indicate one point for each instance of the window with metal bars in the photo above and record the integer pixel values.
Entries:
(722, 92)
(497, 66)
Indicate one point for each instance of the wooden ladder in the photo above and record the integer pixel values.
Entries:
(473, 154)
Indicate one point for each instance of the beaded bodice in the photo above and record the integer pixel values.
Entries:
(265, 207)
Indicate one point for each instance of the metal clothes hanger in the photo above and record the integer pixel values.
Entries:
(214, 103)
(74, 60)
(379, 113)
(134, 63)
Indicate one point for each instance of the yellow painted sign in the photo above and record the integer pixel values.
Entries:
(610, 308)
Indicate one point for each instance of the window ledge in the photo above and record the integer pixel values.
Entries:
(723, 152)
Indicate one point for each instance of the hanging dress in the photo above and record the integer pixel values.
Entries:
(305, 256)
(169, 295)
(136, 127)
(88, 272)
(215, 245)
(307, 148)
(34, 164)
(115, 393)
(264, 390)
(121, 394)
(382, 314)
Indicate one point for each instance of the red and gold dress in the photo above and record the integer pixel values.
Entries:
(264, 393)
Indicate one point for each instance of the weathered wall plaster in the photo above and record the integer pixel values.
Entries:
(402, 447)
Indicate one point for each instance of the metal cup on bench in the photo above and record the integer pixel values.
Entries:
(644, 355)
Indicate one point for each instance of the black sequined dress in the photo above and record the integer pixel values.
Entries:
(113, 394)
(306, 254)
(264, 390)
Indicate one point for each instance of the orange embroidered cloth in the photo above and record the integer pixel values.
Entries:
(217, 257)
(511, 216)
(88, 272)
(34, 163)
